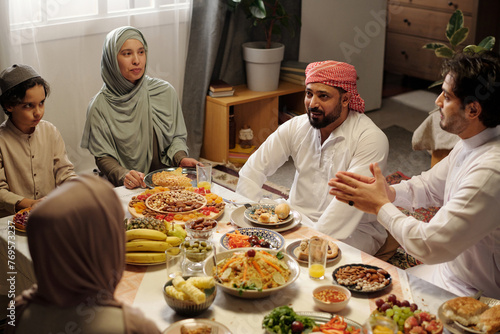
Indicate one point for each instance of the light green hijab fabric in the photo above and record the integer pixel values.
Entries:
(122, 118)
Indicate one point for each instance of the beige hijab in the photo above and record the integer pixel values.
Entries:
(77, 242)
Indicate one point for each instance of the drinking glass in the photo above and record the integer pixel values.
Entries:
(378, 324)
(194, 254)
(204, 175)
(318, 248)
(173, 263)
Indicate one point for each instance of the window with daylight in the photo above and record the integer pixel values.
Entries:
(81, 15)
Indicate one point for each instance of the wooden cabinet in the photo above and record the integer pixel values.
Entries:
(257, 109)
(414, 23)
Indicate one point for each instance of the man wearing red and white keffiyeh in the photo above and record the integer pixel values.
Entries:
(333, 135)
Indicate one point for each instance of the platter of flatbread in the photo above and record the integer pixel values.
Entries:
(299, 250)
(171, 177)
(468, 315)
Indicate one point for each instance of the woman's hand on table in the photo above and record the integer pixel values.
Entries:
(365, 193)
(188, 162)
(134, 179)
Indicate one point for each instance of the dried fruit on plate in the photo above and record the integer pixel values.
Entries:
(21, 219)
(145, 223)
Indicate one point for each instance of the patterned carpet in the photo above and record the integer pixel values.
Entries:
(402, 259)
(228, 178)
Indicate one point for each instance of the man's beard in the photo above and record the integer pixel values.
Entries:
(455, 123)
(327, 119)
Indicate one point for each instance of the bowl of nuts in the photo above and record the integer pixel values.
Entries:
(331, 298)
(201, 228)
(362, 278)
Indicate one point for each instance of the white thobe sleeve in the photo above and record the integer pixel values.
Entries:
(340, 220)
(271, 155)
(464, 219)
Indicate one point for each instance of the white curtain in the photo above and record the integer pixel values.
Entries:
(68, 56)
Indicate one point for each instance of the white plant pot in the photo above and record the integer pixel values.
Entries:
(263, 65)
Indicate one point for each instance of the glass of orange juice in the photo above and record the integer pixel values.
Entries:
(318, 248)
(378, 324)
(204, 175)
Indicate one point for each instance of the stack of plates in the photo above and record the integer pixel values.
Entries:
(241, 217)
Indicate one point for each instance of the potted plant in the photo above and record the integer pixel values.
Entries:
(263, 59)
(456, 34)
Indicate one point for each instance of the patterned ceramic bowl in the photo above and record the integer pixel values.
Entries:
(273, 239)
(188, 307)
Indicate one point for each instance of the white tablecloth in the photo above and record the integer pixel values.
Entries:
(142, 286)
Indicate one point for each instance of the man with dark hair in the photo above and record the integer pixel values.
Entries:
(33, 157)
(460, 246)
(333, 135)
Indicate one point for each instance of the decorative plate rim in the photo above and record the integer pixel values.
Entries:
(274, 233)
(246, 214)
(243, 222)
(292, 246)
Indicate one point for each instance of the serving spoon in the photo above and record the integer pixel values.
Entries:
(215, 265)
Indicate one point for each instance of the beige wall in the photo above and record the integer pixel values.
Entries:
(351, 31)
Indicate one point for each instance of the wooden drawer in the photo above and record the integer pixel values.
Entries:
(466, 6)
(421, 22)
(404, 55)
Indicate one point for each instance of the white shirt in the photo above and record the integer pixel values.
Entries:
(464, 235)
(352, 146)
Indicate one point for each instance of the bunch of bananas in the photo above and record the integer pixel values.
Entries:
(145, 246)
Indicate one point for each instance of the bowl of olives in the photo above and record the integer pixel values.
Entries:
(252, 237)
(194, 253)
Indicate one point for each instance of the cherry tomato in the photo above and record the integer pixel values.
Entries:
(297, 327)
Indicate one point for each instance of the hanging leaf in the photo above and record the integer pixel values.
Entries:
(459, 36)
(436, 83)
(433, 46)
(258, 9)
(456, 22)
(487, 43)
(444, 52)
(472, 49)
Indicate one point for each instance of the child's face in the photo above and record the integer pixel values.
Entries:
(28, 114)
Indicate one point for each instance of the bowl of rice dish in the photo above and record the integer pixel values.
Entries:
(252, 273)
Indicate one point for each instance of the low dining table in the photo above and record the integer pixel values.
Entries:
(142, 286)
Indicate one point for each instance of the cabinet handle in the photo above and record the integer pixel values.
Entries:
(407, 22)
(451, 4)
(403, 52)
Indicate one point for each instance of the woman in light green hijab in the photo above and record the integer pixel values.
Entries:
(135, 123)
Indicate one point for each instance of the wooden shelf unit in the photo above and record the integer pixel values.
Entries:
(414, 23)
(257, 109)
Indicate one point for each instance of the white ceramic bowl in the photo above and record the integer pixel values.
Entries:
(293, 266)
(331, 306)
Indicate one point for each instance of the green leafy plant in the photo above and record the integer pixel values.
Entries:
(456, 34)
(270, 15)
